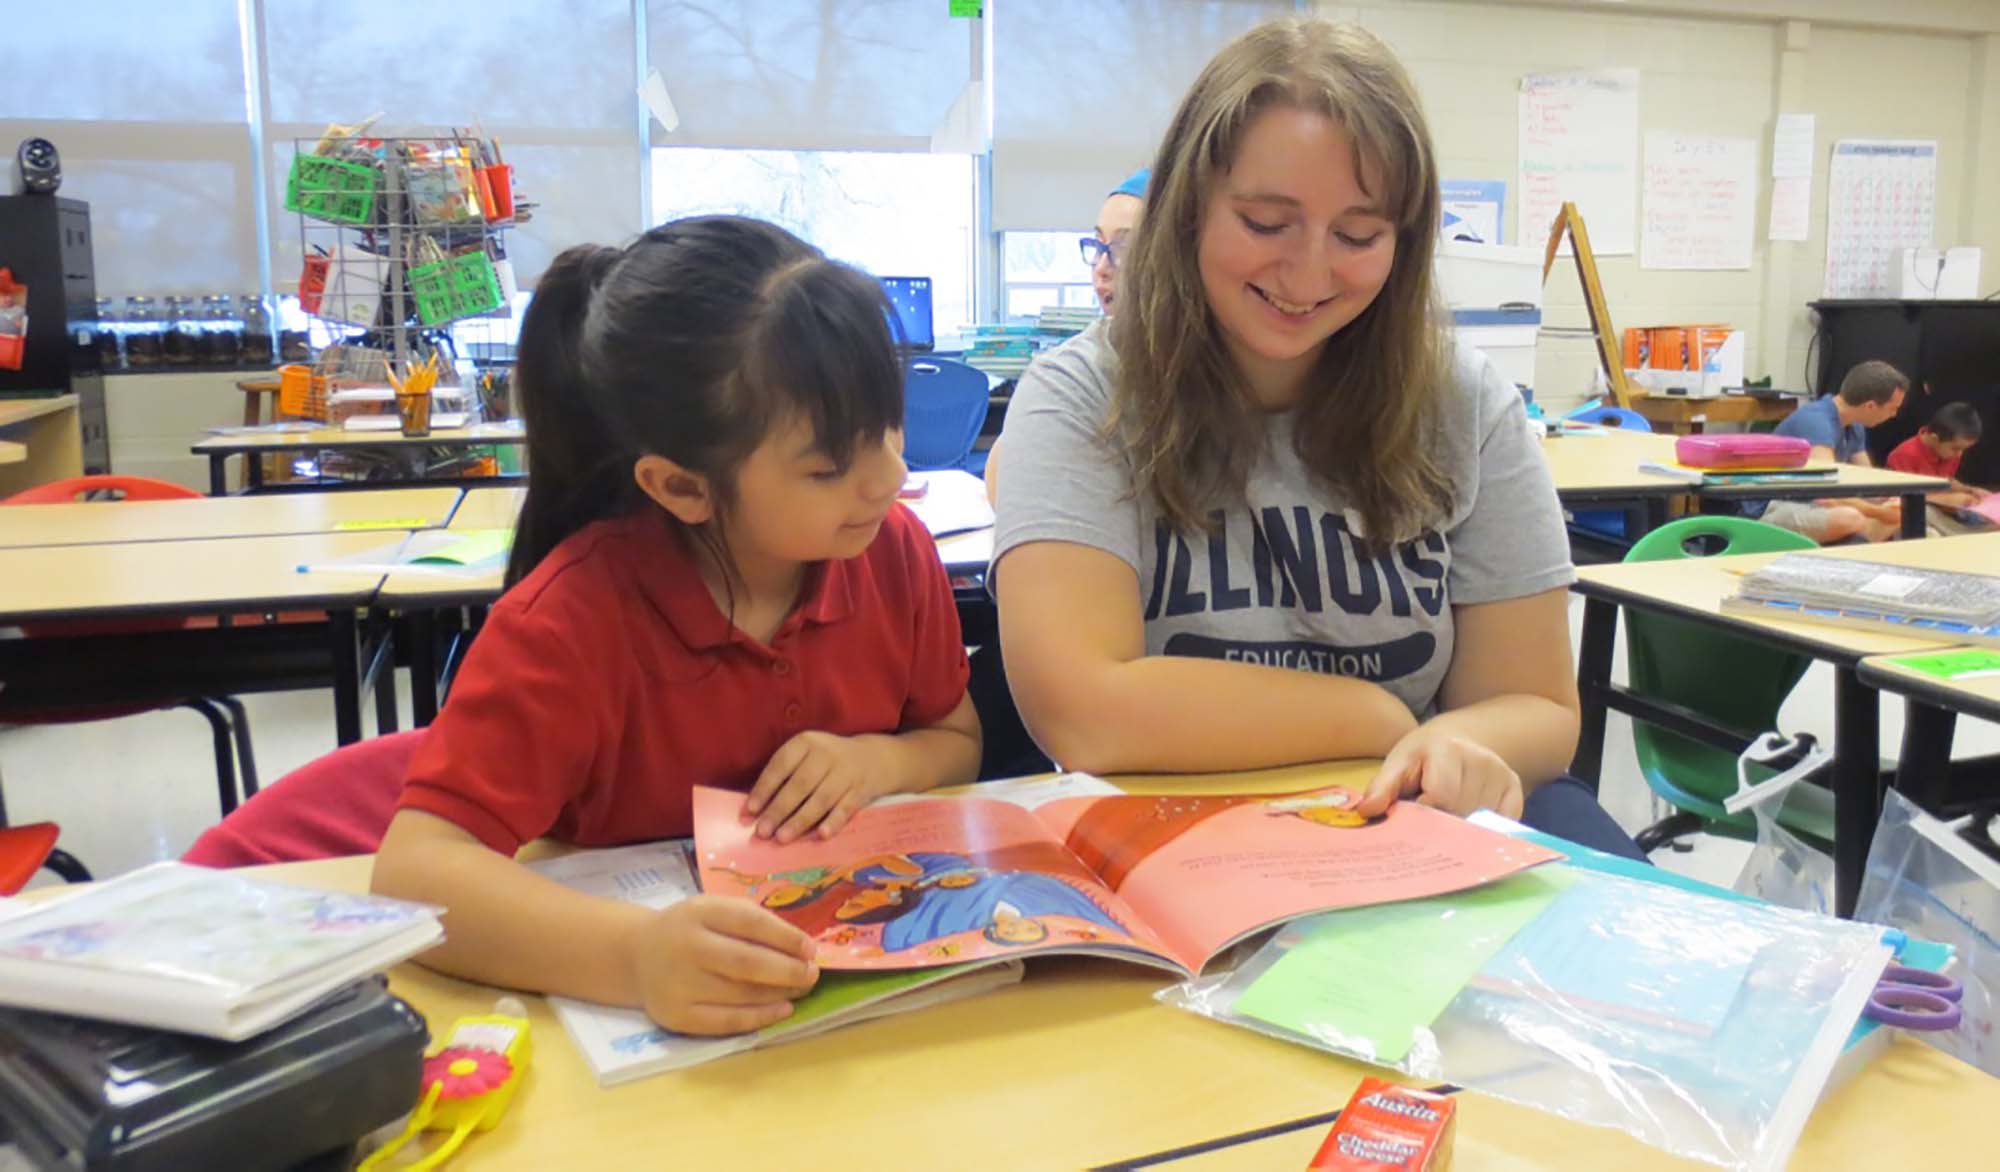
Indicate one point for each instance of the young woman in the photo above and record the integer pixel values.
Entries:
(1269, 512)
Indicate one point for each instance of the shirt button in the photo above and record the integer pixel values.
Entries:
(794, 713)
(783, 667)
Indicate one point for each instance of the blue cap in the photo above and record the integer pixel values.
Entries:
(1135, 183)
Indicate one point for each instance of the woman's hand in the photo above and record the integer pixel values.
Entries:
(1444, 771)
(716, 965)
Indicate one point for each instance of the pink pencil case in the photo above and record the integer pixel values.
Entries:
(1742, 451)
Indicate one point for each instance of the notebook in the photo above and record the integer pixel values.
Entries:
(201, 952)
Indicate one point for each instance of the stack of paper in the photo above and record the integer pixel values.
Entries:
(1921, 603)
(200, 951)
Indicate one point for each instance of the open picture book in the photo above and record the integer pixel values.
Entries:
(1168, 881)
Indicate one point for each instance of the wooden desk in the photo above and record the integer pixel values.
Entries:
(1693, 589)
(1925, 770)
(489, 508)
(186, 579)
(219, 448)
(1078, 1067)
(1853, 481)
(1684, 416)
(1603, 470)
(101, 522)
(40, 441)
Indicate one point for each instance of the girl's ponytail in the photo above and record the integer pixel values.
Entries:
(578, 472)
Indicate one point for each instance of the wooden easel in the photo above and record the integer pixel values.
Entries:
(1571, 221)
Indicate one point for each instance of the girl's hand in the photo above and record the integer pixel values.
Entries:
(715, 965)
(1449, 772)
(817, 779)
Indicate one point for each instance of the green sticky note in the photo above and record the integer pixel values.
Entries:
(965, 8)
(1373, 976)
(387, 523)
(1959, 664)
(472, 547)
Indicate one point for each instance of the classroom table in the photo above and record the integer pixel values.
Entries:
(1078, 1067)
(1852, 481)
(1601, 470)
(1682, 415)
(122, 582)
(1925, 770)
(253, 445)
(1693, 589)
(101, 522)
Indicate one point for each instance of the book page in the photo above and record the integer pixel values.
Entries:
(1207, 870)
(918, 884)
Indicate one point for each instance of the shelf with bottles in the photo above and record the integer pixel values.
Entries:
(218, 332)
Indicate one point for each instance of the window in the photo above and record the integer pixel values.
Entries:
(893, 214)
(1041, 269)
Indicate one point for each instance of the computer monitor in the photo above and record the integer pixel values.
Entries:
(912, 298)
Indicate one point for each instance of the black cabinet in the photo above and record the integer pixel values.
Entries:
(1950, 347)
(45, 240)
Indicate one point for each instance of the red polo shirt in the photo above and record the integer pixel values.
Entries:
(1913, 457)
(607, 683)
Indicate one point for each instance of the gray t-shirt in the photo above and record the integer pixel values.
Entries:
(1284, 582)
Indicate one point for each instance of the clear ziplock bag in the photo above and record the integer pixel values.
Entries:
(1697, 1025)
(1925, 879)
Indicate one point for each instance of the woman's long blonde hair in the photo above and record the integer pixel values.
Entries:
(1182, 412)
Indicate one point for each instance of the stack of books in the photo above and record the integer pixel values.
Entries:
(1897, 600)
(1734, 477)
(1002, 351)
(1066, 321)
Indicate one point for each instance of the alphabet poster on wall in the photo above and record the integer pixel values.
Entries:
(1881, 198)
(1580, 142)
(1700, 201)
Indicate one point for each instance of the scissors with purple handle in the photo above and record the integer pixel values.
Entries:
(1915, 999)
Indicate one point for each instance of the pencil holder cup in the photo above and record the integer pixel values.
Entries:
(414, 410)
(496, 191)
(331, 189)
(301, 393)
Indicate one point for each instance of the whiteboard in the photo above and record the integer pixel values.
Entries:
(1700, 201)
(1881, 198)
(1579, 140)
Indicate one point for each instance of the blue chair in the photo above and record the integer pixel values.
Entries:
(944, 406)
(1607, 522)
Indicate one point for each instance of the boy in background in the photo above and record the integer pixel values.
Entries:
(1837, 427)
(1937, 449)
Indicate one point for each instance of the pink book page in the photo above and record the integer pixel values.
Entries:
(1206, 871)
(916, 884)
(1988, 508)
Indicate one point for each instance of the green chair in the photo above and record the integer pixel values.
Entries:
(1730, 681)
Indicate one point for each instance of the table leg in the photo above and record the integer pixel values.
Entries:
(346, 676)
(421, 628)
(1857, 798)
(218, 474)
(1593, 679)
(1915, 522)
(1923, 770)
(253, 471)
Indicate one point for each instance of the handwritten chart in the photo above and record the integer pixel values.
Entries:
(1881, 198)
(1701, 201)
(1579, 140)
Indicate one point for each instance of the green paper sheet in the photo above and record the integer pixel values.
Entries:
(474, 546)
(1375, 975)
(840, 992)
(1952, 665)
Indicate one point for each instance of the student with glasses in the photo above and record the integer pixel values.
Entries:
(1115, 221)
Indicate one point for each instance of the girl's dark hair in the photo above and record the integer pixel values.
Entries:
(693, 342)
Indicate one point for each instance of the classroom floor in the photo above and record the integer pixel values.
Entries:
(140, 788)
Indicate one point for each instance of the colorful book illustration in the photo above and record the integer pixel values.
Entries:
(199, 951)
(624, 1044)
(1167, 881)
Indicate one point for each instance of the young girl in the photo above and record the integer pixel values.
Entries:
(711, 583)
(1269, 513)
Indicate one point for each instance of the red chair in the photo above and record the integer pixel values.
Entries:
(227, 720)
(337, 805)
(27, 849)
